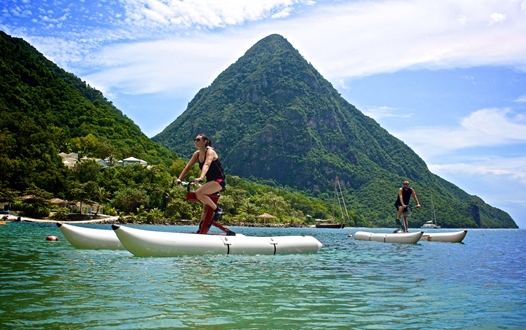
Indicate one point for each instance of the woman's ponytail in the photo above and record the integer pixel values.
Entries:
(209, 142)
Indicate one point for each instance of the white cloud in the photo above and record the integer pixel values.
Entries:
(496, 18)
(486, 127)
(282, 14)
(491, 167)
(497, 124)
(388, 36)
(383, 112)
(463, 20)
(155, 67)
(342, 40)
(205, 13)
(61, 51)
(500, 181)
(521, 99)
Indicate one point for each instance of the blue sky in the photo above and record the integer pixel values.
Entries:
(446, 77)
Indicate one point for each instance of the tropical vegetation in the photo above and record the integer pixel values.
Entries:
(282, 131)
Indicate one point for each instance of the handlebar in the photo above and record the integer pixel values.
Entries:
(188, 184)
(409, 210)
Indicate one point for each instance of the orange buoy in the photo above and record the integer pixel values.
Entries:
(52, 238)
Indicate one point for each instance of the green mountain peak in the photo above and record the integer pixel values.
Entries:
(274, 118)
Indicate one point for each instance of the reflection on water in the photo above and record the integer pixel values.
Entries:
(348, 284)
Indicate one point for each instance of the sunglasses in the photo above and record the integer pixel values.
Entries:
(197, 140)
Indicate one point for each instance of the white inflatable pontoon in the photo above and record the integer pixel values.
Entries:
(90, 238)
(454, 237)
(146, 243)
(410, 238)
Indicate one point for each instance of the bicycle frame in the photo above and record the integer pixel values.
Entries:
(204, 225)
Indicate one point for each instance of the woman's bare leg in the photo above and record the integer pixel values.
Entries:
(208, 188)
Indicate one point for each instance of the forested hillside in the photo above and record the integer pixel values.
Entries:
(45, 110)
(275, 119)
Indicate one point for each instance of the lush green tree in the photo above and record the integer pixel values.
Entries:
(85, 192)
(88, 170)
(8, 195)
(36, 202)
(130, 199)
(38, 196)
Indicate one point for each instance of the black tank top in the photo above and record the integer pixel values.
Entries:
(215, 171)
(406, 195)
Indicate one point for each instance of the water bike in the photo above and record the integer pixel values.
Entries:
(401, 234)
(147, 243)
(90, 238)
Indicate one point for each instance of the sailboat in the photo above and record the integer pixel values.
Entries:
(329, 224)
(431, 224)
(338, 198)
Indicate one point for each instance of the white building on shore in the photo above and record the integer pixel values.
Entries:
(72, 159)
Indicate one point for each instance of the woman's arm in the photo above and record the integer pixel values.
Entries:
(188, 166)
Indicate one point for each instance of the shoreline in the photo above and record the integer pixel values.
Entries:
(106, 219)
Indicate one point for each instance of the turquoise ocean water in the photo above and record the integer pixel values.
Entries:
(477, 284)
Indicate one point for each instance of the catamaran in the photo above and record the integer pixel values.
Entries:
(148, 243)
(339, 201)
(431, 224)
(408, 238)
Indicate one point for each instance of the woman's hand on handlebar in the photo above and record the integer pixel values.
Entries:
(186, 184)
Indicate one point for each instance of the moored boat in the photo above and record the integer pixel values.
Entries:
(330, 225)
(454, 237)
(146, 243)
(339, 202)
(410, 238)
(430, 225)
(90, 238)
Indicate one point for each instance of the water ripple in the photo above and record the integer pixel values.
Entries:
(348, 284)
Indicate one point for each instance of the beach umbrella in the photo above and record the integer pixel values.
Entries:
(58, 201)
(266, 216)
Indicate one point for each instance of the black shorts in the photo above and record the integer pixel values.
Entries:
(397, 205)
(222, 183)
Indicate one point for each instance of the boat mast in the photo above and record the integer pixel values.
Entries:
(343, 202)
(334, 201)
(433, 217)
(338, 194)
